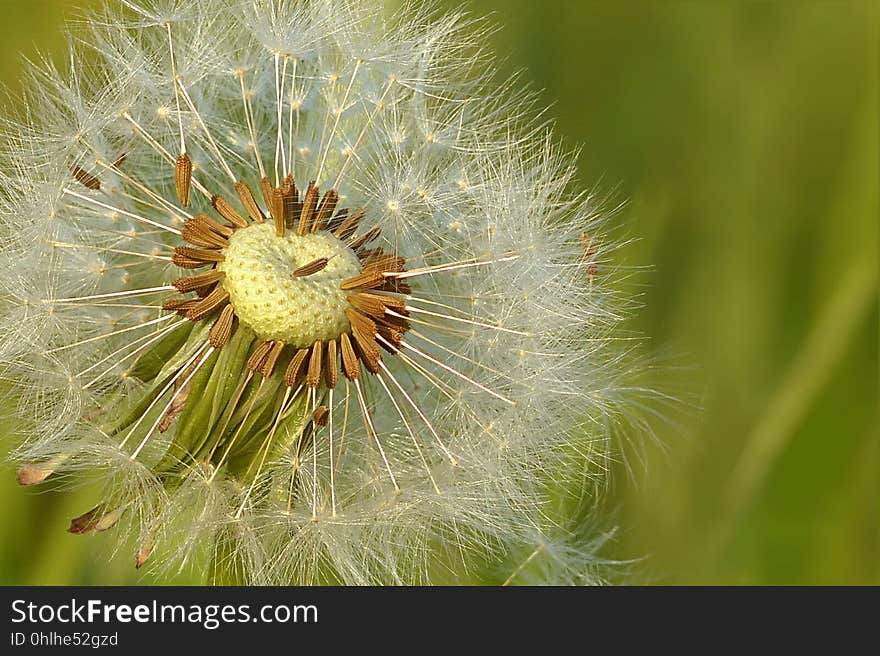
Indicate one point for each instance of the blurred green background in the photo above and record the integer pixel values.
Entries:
(744, 138)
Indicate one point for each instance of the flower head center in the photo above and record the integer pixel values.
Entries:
(275, 289)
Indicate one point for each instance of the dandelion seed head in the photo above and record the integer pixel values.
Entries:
(310, 291)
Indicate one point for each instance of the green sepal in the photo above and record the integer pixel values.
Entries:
(211, 391)
(173, 362)
(295, 422)
(255, 425)
(191, 420)
(148, 365)
(295, 426)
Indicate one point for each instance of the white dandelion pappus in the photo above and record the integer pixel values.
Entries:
(308, 290)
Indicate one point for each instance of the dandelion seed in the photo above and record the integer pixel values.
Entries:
(277, 390)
